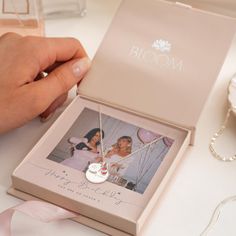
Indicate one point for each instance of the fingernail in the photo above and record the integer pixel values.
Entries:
(45, 119)
(81, 66)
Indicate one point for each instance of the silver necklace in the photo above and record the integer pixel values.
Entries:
(99, 172)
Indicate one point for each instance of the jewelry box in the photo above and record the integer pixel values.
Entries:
(149, 82)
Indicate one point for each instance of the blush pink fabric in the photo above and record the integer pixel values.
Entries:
(42, 211)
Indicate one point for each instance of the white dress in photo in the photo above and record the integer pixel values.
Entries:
(80, 159)
(123, 161)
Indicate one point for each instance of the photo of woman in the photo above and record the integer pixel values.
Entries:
(116, 158)
(85, 151)
(130, 155)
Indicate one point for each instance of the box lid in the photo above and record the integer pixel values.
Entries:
(223, 7)
(160, 59)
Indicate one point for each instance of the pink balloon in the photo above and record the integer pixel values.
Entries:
(168, 141)
(147, 136)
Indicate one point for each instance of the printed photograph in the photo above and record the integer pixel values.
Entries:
(132, 154)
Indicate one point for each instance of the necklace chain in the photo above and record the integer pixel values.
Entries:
(101, 133)
(216, 136)
(216, 215)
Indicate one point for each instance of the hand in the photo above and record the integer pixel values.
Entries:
(24, 97)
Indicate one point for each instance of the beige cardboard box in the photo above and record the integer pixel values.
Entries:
(154, 69)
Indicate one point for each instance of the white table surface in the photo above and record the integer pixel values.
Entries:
(198, 184)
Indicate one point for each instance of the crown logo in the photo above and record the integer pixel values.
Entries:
(162, 45)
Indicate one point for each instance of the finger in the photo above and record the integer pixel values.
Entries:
(43, 74)
(46, 115)
(44, 92)
(9, 36)
(53, 50)
(46, 51)
(52, 108)
(53, 67)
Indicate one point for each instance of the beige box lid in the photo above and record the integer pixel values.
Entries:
(160, 59)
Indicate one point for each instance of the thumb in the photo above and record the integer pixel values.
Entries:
(64, 77)
(58, 82)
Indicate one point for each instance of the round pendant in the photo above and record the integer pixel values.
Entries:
(97, 173)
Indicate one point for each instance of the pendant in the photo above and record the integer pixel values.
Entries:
(97, 173)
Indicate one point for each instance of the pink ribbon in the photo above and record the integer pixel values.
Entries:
(42, 211)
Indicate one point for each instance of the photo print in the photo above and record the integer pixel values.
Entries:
(133, 154)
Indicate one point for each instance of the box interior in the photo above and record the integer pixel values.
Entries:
(32, 177)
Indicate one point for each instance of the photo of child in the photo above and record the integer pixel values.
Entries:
(132, 154)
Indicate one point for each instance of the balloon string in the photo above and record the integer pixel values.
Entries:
(144, 162)
(216, 215)
(140, 165)
(150, 165)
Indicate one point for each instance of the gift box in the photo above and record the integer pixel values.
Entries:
(149, 81)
